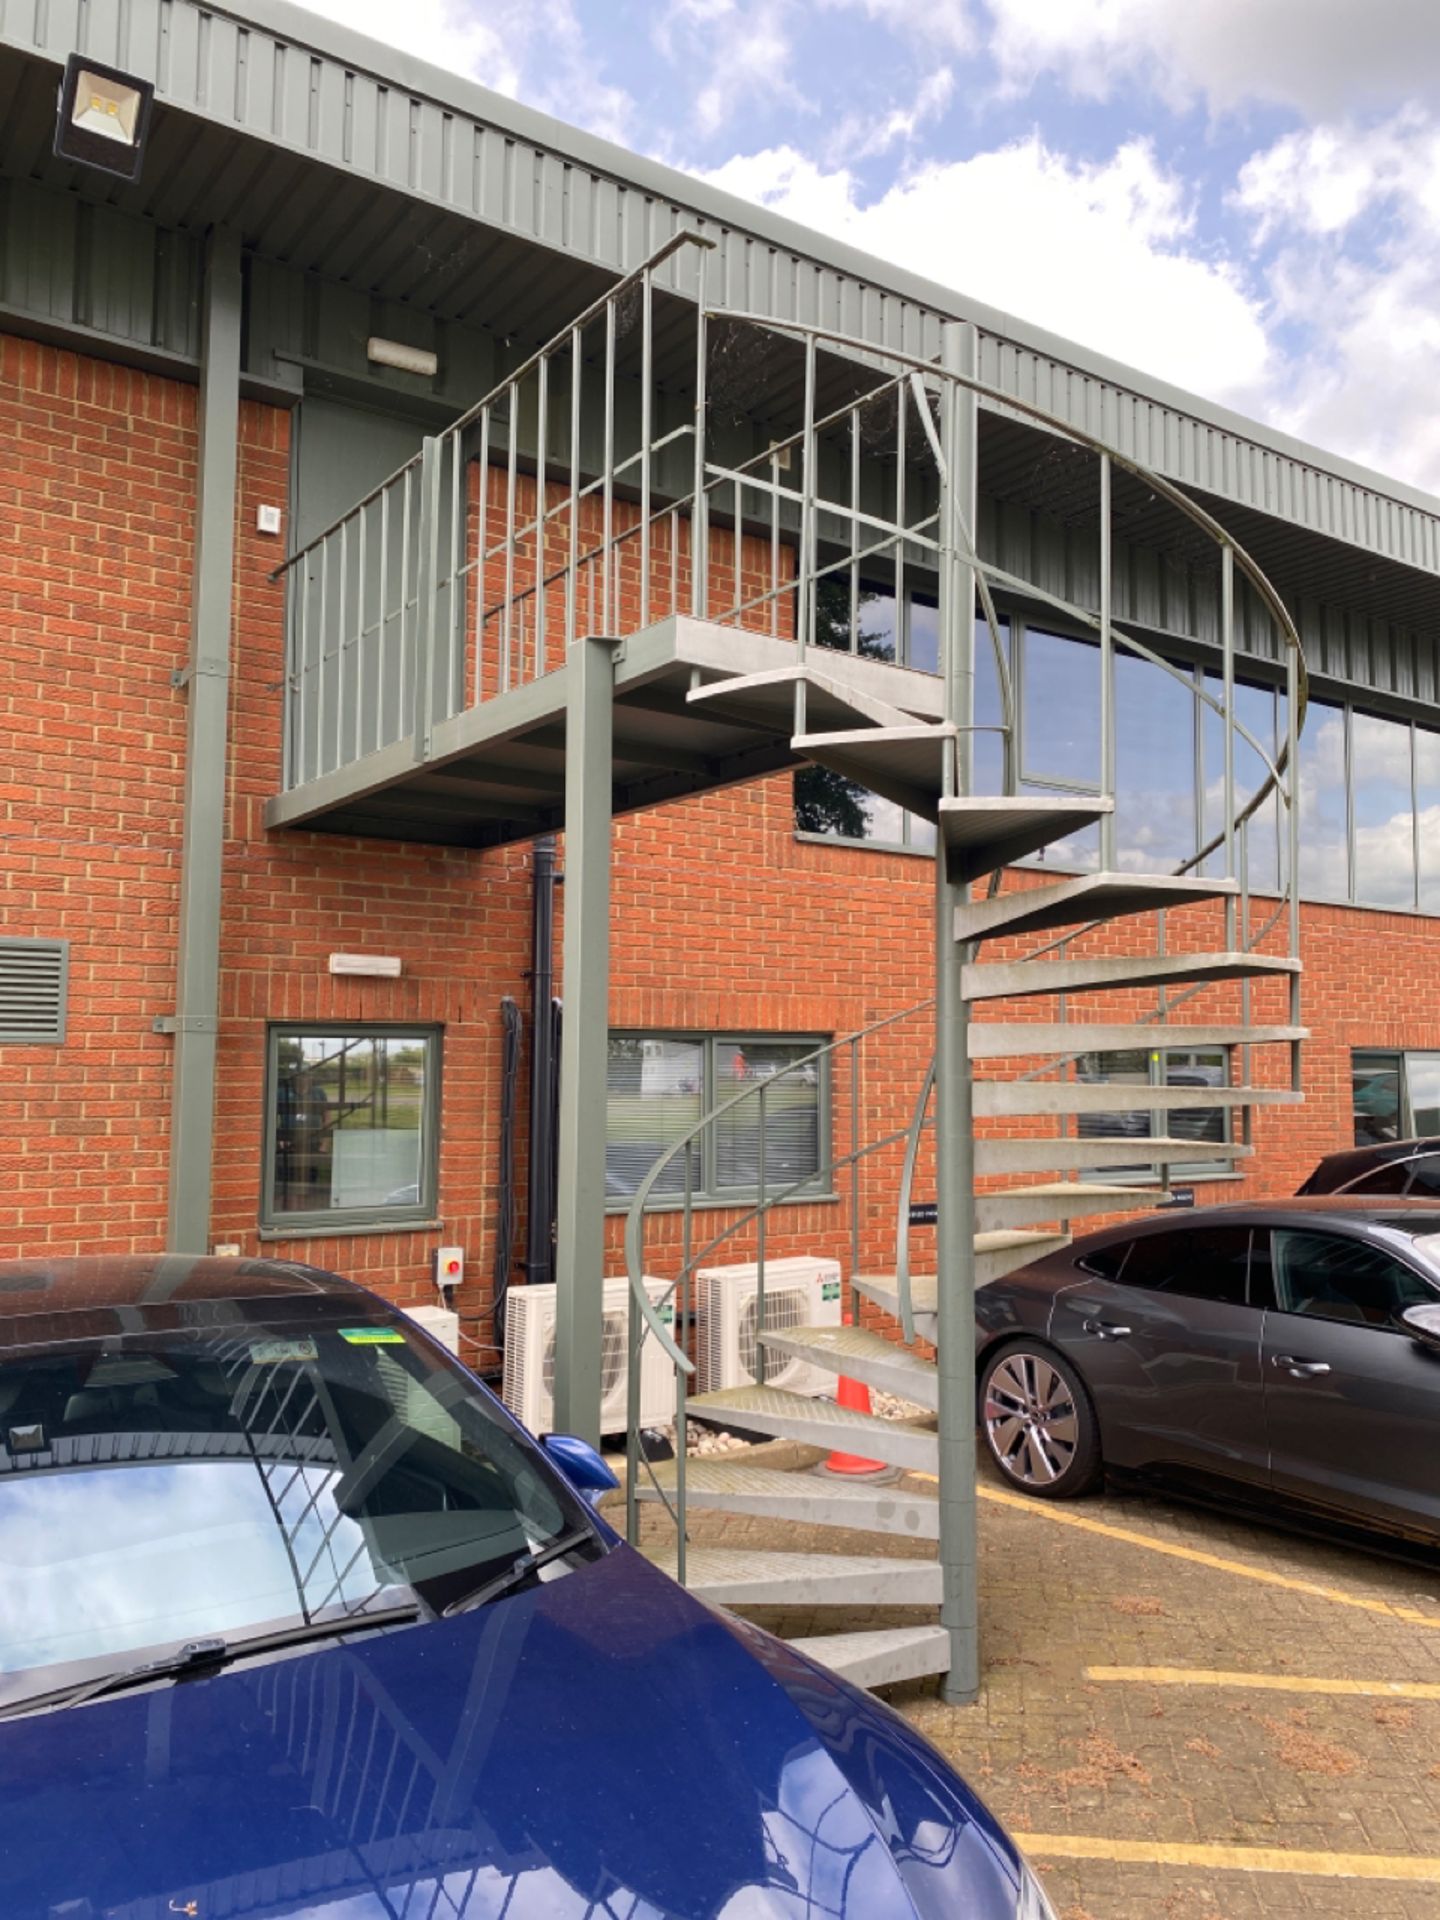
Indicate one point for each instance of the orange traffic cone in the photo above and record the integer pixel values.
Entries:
(855, 1395)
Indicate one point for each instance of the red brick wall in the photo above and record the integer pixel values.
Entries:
(722, 918)
(97, 479)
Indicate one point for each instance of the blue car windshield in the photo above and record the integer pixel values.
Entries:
(230, 1479)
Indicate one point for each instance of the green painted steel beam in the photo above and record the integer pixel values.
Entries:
(207, 687)
(580, 1199)
(954, 1120)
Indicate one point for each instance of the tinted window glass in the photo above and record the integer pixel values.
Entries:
(1424, 1174)
(1394, 1178)
(1105, 1262)
(1332, 1278)
(1203, 1263)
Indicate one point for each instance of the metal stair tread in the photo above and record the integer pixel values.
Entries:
(1012, 979)
(856, 1351)
(1087, 896)
(1004, 1155)
(741, 1576)
(761, 1403)
(1003, 1039)
(881, 1655)
(818, 1500)
(1059, 1200)
(822, 1423)
(1018, 1099)
(905, 765)
(984, 832)
(766, 698)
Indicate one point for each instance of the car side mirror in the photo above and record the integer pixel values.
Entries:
(1423, 1324)
(582, 1466)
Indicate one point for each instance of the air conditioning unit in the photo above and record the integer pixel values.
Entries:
(528, 1389)
(441, 1323)
(800, 1292)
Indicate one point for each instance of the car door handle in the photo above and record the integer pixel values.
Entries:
(1298, 1368)
(1105, 1329)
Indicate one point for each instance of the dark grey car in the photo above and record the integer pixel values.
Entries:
(1286, 1353)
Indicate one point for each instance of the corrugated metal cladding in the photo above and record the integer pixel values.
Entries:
(242, 74)
(1163, 595)
(34, 975)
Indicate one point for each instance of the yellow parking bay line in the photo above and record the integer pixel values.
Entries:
(1160, 1853)
(1268, 1682)
(1044, 1510)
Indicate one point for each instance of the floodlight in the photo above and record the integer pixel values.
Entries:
(103, 117)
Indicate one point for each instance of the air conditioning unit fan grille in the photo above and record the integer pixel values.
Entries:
(612, 1357)
(785, 1308)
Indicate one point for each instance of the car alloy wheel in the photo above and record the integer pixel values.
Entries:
(1039, 1424)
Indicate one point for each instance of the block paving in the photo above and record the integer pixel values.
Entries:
(1056, 1753)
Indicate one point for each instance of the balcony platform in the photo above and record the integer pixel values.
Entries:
(496, 772)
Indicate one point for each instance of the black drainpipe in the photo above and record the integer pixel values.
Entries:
(540, 1208)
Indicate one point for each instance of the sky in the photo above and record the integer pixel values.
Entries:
(1239, 196)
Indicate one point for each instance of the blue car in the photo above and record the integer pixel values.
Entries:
(295, 1619)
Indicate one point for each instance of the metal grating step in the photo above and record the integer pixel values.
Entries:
(903, 764)
(1009, 1040)
(791, 1416)
(767, 699)
(882, 1656)
(985, 832)
(1021, 1099)
(809, 1498)
(1092, 896)
(861, 1355)
(1105, 973)
(1054, 1156)
(1059, 1200)
(735, 1578)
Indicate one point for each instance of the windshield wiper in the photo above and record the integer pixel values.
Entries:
(210, 1655)
(519, 1571)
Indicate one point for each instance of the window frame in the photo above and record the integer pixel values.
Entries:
(277, 1225)
(707, 1192)
(1401, 1057)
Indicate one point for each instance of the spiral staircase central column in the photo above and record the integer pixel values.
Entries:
(954, 1104)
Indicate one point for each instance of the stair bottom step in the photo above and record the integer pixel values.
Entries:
(881, 1656)
(736, 1577)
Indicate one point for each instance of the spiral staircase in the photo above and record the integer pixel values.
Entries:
(1107, 939)
(611, 583)
(1014, 1222)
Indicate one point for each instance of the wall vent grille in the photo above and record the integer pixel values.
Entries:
(34, 975)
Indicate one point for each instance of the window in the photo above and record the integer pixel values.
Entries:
(1170, 1067)
(353, 1126)
(1394, 1096)
(1332, 1278)
(1105, 1263)
(1202, 1263)
(658, 1086)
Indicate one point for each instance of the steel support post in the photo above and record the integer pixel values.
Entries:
(954, 1131)
(207, 682)
(580, 1199)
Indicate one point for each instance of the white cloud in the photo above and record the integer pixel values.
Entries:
(1350, 216)
(1102, 253)
(742, 50)
(1320, 56)
(945, 23)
